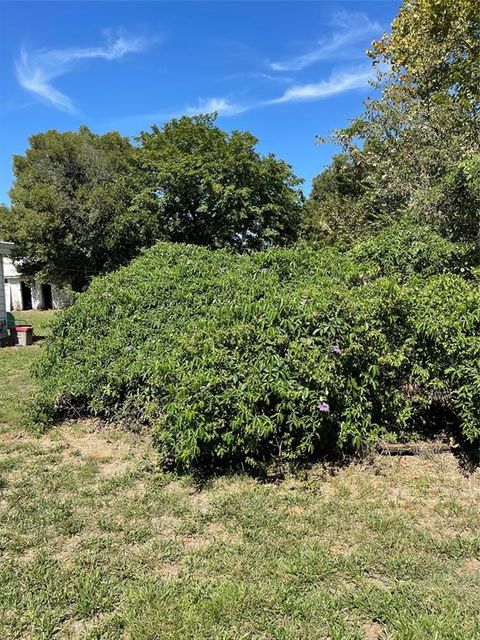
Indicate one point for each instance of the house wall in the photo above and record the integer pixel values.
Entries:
(37, 297)
(13, 294)
(13, 291)
(9, 269)
(12, 288)
(3, 310)
(60, 298)
(11, 298)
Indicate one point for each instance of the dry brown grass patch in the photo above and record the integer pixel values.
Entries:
(372, 631)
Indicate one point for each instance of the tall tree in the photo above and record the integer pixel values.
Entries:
(427, 118)
(84, 204)
(425, 121)
(209, 187)
(70, 206)
(334, 210)
(6, 227)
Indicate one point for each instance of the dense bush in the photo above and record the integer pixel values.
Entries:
(458, 203)
(407, 248)
(281, 354)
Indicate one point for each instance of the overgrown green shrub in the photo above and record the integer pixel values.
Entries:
(458, 203)
(407, 248)
(280, 354)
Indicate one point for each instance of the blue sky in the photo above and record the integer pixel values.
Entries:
(286, 71)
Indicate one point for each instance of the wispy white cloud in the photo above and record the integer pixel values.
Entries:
(338, 82)
(36, 69)
(350, 29)
(222, 106)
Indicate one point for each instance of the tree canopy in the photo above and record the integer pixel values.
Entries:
(84, 204)
(209, 187)
(70, 206)
(423, 125)
(6, 230)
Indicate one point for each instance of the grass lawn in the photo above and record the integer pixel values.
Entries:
(97, 542)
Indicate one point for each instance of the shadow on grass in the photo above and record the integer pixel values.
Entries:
(440, 432)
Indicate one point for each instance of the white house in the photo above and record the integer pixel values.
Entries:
(20, 296)
(5, 249)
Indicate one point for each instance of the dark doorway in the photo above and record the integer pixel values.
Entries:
(47, 296)
(26, 296)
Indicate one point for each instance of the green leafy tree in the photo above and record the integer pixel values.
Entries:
(209, 187)
(425, 120)
(6, 230)
(456, 205)
(334, 211)
(84, 204)
(70, 206)
(427, 117)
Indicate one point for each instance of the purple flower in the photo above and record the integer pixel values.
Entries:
(129, 348)
(324, 407)
(336, 349)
